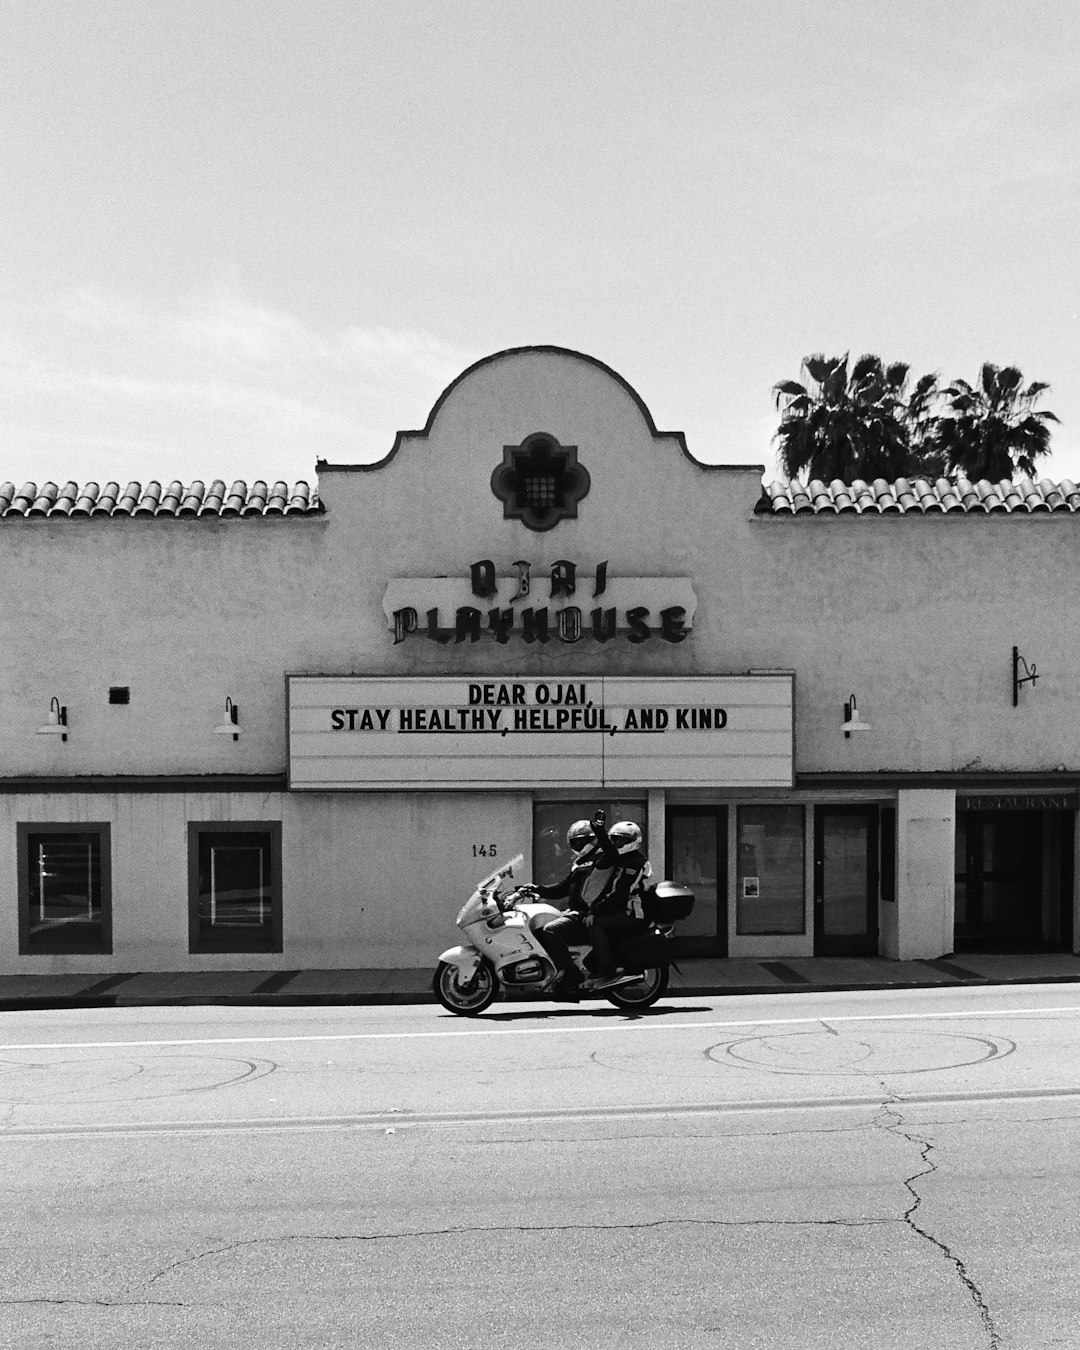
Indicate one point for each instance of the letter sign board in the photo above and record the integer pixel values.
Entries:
(357, 732)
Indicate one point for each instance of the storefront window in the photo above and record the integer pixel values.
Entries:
(551, 820)
(770, 878)
(235, 895)
(64, 888)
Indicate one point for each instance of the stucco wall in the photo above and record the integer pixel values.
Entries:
(916, 615)
(367, 880)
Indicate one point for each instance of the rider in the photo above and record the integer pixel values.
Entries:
(599, 889)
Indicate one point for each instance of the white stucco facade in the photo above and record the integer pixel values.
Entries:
(915, 614)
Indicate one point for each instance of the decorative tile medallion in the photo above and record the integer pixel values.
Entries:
(540, 482)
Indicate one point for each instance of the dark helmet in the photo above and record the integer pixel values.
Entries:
(580, 836)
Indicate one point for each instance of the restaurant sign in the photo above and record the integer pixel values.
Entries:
(1017, 801)
(357, 732)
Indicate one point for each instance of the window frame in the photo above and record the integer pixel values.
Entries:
(103, 829)
(196, 829)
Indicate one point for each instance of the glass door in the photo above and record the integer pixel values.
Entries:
(845, 881)
(696, 848)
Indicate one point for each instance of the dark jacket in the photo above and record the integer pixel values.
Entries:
(618, 877)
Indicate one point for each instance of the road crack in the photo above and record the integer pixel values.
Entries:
(890, 1120)
(97, 1303)
(412, 1233)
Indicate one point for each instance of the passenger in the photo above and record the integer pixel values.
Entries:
(602, 891)
(616, 913)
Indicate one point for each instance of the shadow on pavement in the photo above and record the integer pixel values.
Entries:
(583, 1009)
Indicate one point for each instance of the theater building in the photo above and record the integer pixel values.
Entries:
(285, 727)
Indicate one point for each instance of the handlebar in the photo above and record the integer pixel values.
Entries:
(507, 901)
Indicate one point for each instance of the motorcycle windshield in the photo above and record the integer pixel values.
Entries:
(506, 870)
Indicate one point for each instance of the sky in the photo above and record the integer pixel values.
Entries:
(237, 236)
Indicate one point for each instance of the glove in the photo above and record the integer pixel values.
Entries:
(599, 818)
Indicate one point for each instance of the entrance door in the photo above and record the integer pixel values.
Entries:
(845, 881)
(696, 848)
(1013, 880)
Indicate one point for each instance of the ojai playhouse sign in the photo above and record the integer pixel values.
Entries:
(568, 604)
(476, 732)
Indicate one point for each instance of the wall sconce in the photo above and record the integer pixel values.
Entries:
(57, 721)
(231, 725)
(852, 720)
(1030, 675)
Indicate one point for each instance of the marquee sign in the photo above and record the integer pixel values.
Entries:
(557, 607)
(475, 732)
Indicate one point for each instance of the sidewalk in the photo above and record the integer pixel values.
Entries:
(695, 977)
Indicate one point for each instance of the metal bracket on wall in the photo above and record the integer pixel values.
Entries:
(1030, 674)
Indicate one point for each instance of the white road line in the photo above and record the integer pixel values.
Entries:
(476, 1032)
(402, 1121)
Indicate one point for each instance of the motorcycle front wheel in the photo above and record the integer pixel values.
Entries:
(466, 997)
(643, 993)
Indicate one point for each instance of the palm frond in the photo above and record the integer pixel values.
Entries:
(867, 367)
(821, 368)
(896, 374)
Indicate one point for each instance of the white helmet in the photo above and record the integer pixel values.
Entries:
(625, 836)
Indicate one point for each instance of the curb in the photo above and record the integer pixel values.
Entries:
(36, 1003)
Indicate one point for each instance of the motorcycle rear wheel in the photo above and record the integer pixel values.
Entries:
(469, 997)
(643, 993)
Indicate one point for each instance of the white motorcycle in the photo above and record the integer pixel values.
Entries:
(504, 953)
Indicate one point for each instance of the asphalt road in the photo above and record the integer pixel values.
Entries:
(882, 1169)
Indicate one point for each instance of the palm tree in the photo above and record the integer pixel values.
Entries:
(857, 425)
(925, 459)
(993, 430)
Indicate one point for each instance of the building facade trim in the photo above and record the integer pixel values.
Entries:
(256, 782)
(321, 466)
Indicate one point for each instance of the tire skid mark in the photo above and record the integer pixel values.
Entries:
(24, 1082)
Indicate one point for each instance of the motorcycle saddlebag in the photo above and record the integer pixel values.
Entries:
(647, 949)
(667, 902)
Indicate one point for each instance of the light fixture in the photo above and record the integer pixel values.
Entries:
(57, 721)
(852, 720)
(231, 725)
(1030, 675)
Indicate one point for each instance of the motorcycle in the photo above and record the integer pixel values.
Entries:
(504, 953)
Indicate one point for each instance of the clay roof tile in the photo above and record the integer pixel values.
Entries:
(277, 500)
(42, 503)
(149, 498)
(256, 499)
(171, 498)
(211, 504)
(234, 502)
(192, 498)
